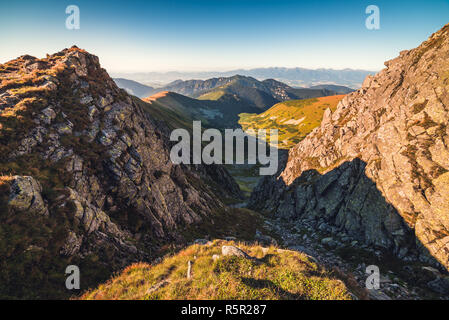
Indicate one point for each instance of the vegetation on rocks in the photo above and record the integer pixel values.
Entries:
(86, 177)
(377, 167)
(293, 119)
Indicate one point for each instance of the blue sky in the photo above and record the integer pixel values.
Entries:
(139, 36)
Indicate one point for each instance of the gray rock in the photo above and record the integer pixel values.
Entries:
(25, 196)
(329, 242)
(48, 115)
(440, 285)
(64, 128)
(72, 244)
(202, 241)
(378, 295)
(432, 270)
(86, 99)
(233, 251)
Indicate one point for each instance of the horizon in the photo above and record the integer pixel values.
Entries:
(201, 36)
(217, 70)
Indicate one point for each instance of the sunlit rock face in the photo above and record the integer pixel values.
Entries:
(378, 167)
(86, 158)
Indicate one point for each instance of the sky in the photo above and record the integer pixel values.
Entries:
(220, 35)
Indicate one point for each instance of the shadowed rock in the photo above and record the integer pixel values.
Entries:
(377, 168)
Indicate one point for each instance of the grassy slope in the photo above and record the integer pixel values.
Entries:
(242, 88)
(220, 113)
(213, 95)
(275, 274)
(294, 119)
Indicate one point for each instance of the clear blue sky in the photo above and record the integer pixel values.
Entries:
(221, 35)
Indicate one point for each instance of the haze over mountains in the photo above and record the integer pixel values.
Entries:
(292, 76)
(87, 179)
(219, 101)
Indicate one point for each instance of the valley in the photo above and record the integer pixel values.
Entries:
(86, 179)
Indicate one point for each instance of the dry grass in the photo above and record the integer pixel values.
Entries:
(274, 274)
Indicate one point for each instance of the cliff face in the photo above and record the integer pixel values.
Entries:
(378, 167)
(88, 170)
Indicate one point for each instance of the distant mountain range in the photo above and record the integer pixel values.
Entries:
(135, 88)
(292, 76)
(263, 94)
(178, 111)
(219, 101)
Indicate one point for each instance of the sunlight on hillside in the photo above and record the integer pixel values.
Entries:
(294, 119)
(270, 274)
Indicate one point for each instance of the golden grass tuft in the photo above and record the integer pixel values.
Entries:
(274, 274)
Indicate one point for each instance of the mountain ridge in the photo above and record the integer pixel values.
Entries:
(376, 169)
(87, 178)
(293, 76)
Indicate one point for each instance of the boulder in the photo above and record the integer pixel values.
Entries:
(329, 242)
(202, 241)
(234, 251)
(25, 196)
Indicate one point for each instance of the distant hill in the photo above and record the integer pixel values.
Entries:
(292, 76)
(135, 88)
(294, 119)
(219, 101)
(179, 110)
(334, 88)
(260, 94)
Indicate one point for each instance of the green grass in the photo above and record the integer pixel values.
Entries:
(213, 95)
(294, 119)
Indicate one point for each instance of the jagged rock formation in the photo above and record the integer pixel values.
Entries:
(378, 167)
(84, 154)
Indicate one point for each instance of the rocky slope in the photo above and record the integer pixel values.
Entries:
(86, 176)
(377, 169)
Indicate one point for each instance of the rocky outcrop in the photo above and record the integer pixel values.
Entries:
(26, 196)
(377, 168)
(87, 154)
